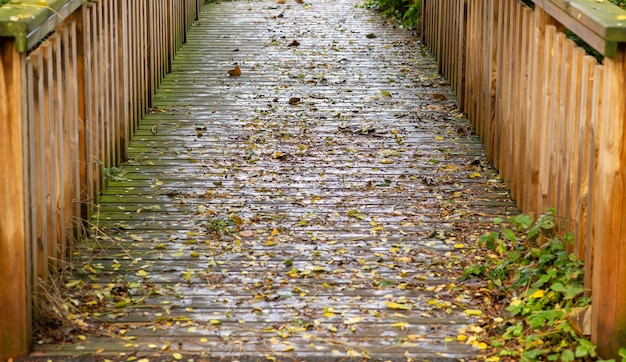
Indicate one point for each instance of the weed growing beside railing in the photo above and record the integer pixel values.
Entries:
(537, 285)
(406, 12)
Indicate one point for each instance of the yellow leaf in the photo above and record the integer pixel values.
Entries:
(473, 312)
(482, 345)
(215, 322)
(621, 17)
(439, 138)
(177, 356)
(353, 320)
(385, 93)
(461, 338)
(142, 273)
(475, 175)
(538, 294)
(274, 232)
(400, 325)
(289, 349)
(393, 305)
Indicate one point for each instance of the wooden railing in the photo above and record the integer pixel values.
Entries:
(75, 79)
(552, 119)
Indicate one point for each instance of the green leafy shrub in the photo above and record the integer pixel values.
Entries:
(537, 284)
(406, 12)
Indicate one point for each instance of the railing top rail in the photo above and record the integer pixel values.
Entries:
(29, 21)
(601, 24)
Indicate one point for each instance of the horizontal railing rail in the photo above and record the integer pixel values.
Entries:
(76, 77)
(552, 120)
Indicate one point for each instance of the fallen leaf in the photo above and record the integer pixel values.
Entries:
(393, 305)
(235, 72)
(294, 100)
(246, 233)
(400, 325)
(471, 312)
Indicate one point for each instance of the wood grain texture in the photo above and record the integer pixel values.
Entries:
(609, 213)
(15, 317)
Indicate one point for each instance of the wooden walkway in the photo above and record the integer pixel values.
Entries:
(318, 206)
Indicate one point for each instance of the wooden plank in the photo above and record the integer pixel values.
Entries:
(546, 118)
(589, 77)
(574, 107)
(541, 20)
(15, 317)
(609, 213)
(554, 141)
(461, 60)
(59, 131)
(565, 150)
(490, 77)
(526, 52)
(499, 78)
(508, 120)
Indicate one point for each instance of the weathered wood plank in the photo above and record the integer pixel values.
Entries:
(15, 321)
(609, 212)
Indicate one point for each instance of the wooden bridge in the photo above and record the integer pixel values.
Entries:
(253, 180)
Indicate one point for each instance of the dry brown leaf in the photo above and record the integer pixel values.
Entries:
(235, 72)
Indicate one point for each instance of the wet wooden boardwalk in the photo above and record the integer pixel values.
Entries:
(318, 206)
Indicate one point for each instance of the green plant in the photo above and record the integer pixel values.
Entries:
(405, 11)
(540, 284)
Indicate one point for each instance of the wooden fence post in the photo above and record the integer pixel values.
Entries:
(14, 307)
(609, 213)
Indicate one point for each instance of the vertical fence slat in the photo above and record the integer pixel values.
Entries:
(609, 210)
(589, 76)
(15, 334)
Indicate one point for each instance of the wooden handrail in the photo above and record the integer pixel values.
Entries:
(29, 22)
(600, 24)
